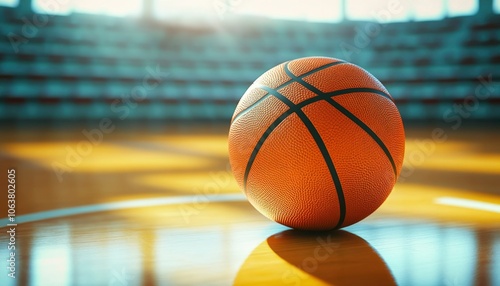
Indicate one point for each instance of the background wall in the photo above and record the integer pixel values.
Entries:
(90, 66)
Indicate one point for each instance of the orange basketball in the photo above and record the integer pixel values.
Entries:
(316, 143)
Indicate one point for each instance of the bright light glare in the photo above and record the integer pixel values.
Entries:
(51, 262)
(470, 204)
(9, 3)
(362, 10)
(49, 7)
(171, 10)
(313, 10)
(428, 10)
(382, 11)
(462, 7)
(107, 7)
(496, 6)
(320, 11)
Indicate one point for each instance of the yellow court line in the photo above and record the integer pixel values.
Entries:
(152, 202)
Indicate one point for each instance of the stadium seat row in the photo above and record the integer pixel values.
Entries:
(81, 64)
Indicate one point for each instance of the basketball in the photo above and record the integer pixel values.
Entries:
(316, 143)
(168, 136)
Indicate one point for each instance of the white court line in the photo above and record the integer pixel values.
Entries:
(470, 204)
(153, 202)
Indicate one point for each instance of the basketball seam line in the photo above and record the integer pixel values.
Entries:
(293, 109)
(347, 113)
(263, 138)
(270, 129)
(322, 148)
(284, 115)
(275, 123)
(367, 129)
(324, 151)
(288, 82)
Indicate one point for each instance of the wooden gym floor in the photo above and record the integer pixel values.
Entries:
(156, 205)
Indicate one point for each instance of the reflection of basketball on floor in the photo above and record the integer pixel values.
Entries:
(316, 143)
(296, 258)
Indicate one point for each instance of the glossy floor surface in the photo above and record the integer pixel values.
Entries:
(158, 206)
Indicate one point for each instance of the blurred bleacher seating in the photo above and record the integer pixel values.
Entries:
(78, 66)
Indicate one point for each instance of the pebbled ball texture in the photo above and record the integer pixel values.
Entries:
(316, 143)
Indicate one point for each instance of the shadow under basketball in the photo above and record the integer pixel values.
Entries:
(302, 258)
